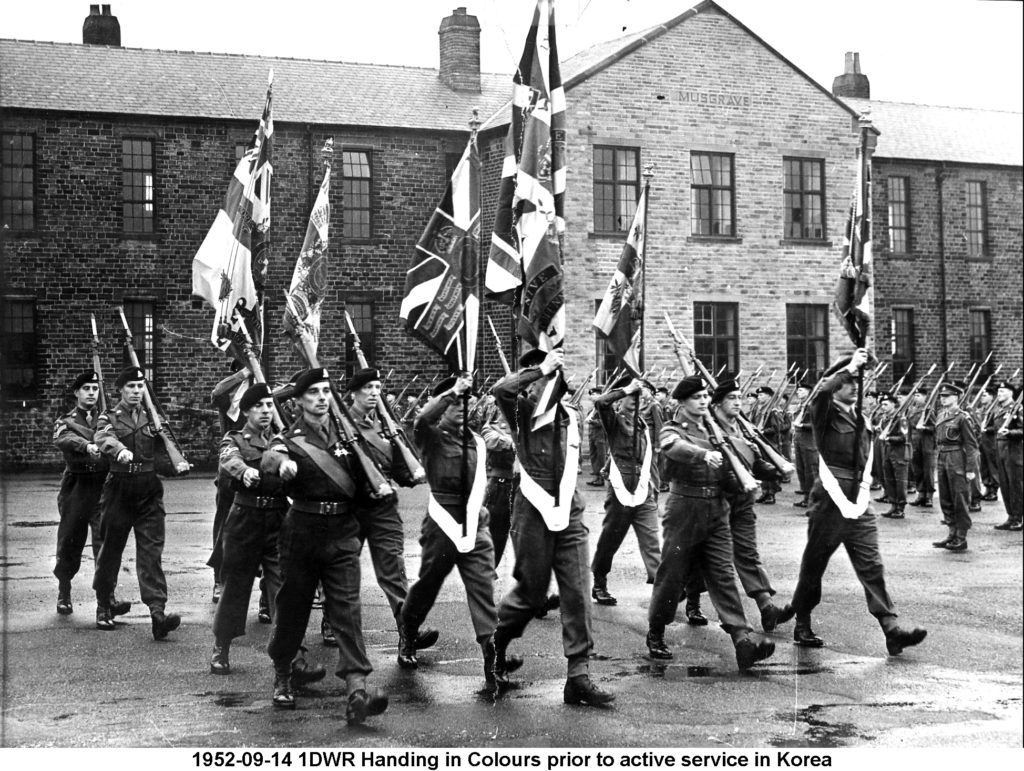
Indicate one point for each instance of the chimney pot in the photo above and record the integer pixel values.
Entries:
(106, 10)
(852, 83)
(459, 37)
(101, 28)
(94, 10)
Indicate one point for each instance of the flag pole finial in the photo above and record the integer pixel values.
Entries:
(474, 122)
(648, 172)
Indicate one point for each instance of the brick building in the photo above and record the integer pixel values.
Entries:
(116, 159)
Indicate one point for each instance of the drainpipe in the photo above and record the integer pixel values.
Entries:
(940, 175)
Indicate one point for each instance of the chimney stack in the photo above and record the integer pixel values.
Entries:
(100, 28)
(460, 51)
(852, 83)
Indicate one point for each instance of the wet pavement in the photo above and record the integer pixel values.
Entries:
(66, 684)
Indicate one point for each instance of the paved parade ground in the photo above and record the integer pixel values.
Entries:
(66, 684)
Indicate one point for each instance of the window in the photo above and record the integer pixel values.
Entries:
(977, 225)
(712, 195)
(899, 215)
(980, 340)
(18, 181)
(902, 341)
(19, 370)
(137, 186)
(606, 360)
(616, 188)
(804, 198)
(141, 321)
(362, 320)
(356, 181)
(716, 336)
(807, 338)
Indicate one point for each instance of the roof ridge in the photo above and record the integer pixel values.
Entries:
(941, 106)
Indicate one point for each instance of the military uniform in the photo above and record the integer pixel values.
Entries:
(1010, 448)
(922, 459)
(775, 426)
(597, 449)
(956, 443)
(224, 398)
(132, 502)
(805, 454)
(442, 452)
(835, 430)
(989, 453)
(628, 440)
(319, 542)
(78, 502)
(502, 478)
(895, 452)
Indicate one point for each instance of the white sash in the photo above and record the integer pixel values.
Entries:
(622, 493)
(557, 517)
(447, 522)
(849, 509)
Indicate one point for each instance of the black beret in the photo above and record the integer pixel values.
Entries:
(873, 394)
(724, 388)
(764, 390)
(129, 375)
(952, 388)
(886, 397)
(532, 358)
(445, 385)
(253, 395)
(310, 377)
(362, 377)
(687, 387)
(1004, 384)
(86, 377)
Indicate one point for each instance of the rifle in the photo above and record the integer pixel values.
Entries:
(988, 380)
(351, 440)
(412, 473)
(576, 398)
(257, 371)
(497, 344)
(398, 399)
(904, 406)
(983, 423)
(876, 373)
(1011, 413)
(973, 380)
(899, 383)
(797, 376)
(96, 362)
(415, 404)
(750, 379)
(930, 401)
(162, 429)
(736, 463)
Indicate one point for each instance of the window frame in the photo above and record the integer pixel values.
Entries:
(616, 184)
(902, 363)
(701, 341)
(131, 202)
(712, 188)
(804, 196)
(976, 252)
(33, 198)
(346, 205)
(976, 352)
(31, 359)
(822, 361)
(903, 205)
(145, 341)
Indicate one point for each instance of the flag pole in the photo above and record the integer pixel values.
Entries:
(648, 175)
(474, 125)
(862, 241)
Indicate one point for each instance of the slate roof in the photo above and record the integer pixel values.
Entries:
(956, 134)
(108, 79)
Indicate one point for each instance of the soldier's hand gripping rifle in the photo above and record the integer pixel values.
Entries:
(163, 431)
(409, 471)
(904, 406)
(749, 431)
(497, 344)
(351, 440)
(929, 403)
(983, 423)
(96, 367)
(714, 431)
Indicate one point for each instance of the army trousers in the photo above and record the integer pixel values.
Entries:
(78, 505)
(617, 521)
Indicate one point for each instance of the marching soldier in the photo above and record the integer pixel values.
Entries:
(502, 476)
(132, 501)
(597, 444)
(774, 425)
(379, 521)
(320, 541)
(922, 460)
(805, 452)
(549, 532)
(956, 443)
(249, 535)
(1010, 447)
(697, 537)
(895, 459)
(633, 481)
(455, 529)
(835, 518)
(78, 502)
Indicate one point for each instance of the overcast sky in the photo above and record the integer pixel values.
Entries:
(956, 52)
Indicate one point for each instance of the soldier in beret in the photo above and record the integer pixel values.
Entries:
(1006, 418)
(775, 426)
(250, 531)
(632, 498)
(379, 520)
(840, 513)
(697, 536)
(454, 532)
(549, 534)
(956, 445)
(319, 542)
(132, 501)
(78, 502)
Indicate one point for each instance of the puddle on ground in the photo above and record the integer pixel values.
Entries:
(23, 523)
(819, 732)
(233, 700)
